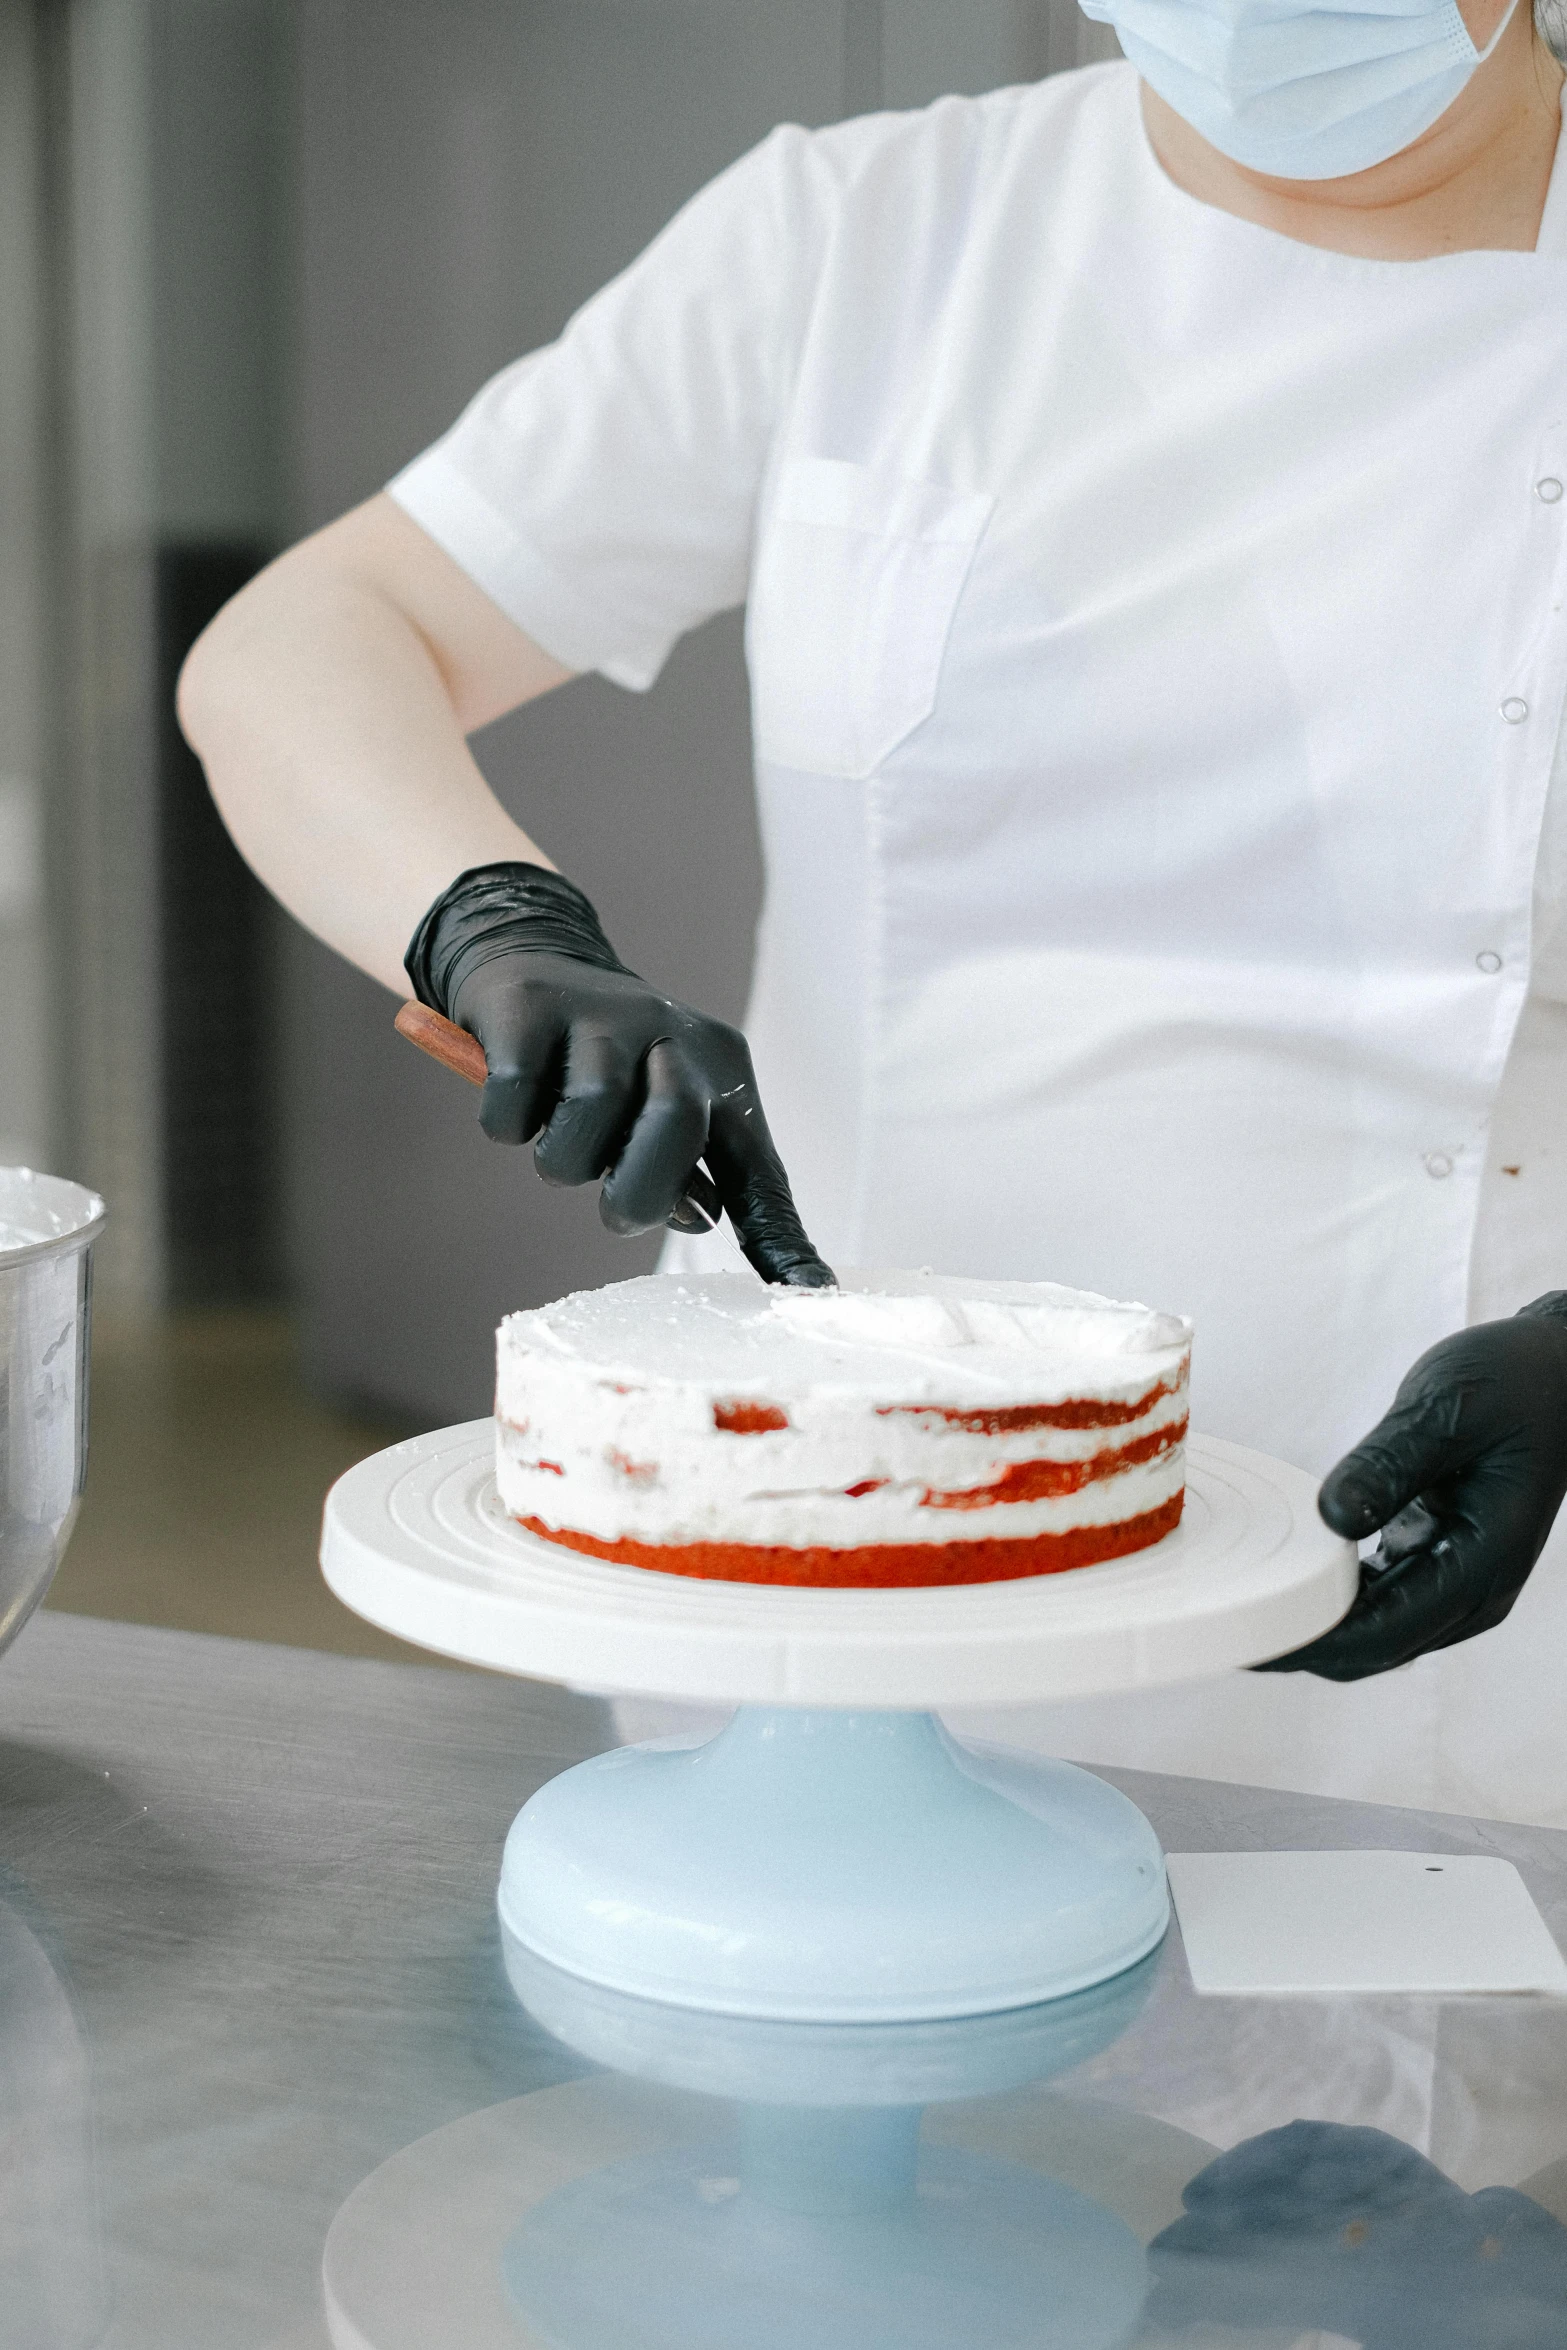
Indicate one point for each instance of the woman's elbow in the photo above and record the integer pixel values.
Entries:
(207, 681)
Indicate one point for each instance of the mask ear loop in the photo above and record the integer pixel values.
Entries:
(1480, 55)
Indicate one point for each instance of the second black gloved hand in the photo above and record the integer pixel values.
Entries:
(1464, 1477)
(615, 1079)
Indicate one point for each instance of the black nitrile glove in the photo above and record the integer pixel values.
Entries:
(1464, 1477)
(615, 1079)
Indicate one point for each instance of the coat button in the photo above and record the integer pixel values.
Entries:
(1549, 490)
(1514, 710)
(1488, 960)
(1438, 1164)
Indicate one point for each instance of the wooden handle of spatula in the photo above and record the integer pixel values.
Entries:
(443, 1040)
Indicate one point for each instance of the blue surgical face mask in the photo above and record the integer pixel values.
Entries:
(1301, 92)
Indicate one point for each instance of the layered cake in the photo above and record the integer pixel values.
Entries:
(903, 1428)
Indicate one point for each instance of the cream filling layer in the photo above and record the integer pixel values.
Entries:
(615, 1502)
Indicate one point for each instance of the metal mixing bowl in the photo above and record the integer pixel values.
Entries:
(47, 1228)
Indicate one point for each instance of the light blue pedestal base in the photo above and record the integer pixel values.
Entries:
(823, 1866)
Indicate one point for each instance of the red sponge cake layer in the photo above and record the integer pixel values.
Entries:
(881, 1566)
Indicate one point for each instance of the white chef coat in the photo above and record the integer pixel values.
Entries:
(1157, 655)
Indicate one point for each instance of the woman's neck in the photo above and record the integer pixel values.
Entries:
(1476, 182)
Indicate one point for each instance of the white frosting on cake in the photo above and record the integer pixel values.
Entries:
(1065, 1323)
(611, 1407)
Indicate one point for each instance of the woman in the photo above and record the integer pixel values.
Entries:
(1147, 491)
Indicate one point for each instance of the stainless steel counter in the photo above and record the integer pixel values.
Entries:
(248, 1953)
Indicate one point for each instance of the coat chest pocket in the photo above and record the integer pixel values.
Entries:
(856, 581)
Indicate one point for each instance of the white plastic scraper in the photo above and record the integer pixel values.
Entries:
(1297, 1923)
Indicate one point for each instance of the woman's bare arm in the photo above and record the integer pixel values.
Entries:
(329, 704)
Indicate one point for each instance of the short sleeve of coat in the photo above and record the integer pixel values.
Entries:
(603, 490)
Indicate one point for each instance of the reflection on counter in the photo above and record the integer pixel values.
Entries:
(715, 2249)
(817, 2216)
(739, 2185)
(264, 1880)
(52, 2290)
(1323, 2229)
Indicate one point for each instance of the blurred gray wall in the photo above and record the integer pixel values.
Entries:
(467, 174)
(26, 1114)
(162, 247)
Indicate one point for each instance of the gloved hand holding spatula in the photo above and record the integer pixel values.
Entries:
(614, 1079)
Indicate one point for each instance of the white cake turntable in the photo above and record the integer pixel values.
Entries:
(833, 1856)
